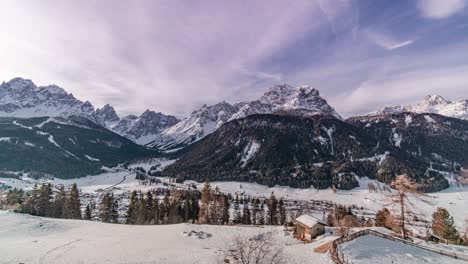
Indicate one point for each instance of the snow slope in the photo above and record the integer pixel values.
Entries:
(372, 249)
(29, 239)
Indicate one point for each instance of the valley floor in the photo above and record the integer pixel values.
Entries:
(454, 199)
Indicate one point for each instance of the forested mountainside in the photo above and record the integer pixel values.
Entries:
(62, 147)
(324, 151)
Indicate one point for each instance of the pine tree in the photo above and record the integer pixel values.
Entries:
(255, 211)
(104, 208)
(140, 210)
(282, 212)
(73, 205)
(149, 208)
(59, 203)
(131, 216)
(195, 208)
(205, 204)
(87, 215)
(272, 210)
(107, 209)
(114, 210)
(237, 213)
(261, 215)
(246, 216)
(225, 209)
(34, 200)
(443, 225)
(156, 211)
(44, 204)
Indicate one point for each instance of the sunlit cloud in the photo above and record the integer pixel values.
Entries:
(438, 9)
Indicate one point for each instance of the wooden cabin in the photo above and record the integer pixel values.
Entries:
(307, 227)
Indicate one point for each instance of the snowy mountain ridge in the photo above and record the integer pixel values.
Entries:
(435, 104)
(279, 98)
(23, 99)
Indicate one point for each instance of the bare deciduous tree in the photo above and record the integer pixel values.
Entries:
(261, 249)
(403, 185)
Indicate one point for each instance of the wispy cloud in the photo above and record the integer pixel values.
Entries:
(386, 41)
(437, 9)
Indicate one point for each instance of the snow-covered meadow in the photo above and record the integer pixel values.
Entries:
(30, 239)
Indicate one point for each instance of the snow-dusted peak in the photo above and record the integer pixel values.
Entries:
(435, 100)
(303, 100)
(107, 115)
(144, 128)
(22, 98)
(277, 94)
(21, 84)
(431, 104)
(307, 89)
(53, 90)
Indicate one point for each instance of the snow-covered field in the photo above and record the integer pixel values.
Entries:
(372, 249)
(30, 239)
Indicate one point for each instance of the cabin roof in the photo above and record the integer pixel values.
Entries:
(308, 220)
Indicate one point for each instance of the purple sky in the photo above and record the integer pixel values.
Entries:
(174, 56)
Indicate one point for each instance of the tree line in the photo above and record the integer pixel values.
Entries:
(442, 227)
(42, 201)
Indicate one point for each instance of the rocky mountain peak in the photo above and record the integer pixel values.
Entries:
(21, 84)
(430, 104)
(53, 90)
(107, 114)
(307, 89)
(435, 100)
(303, 100)
(277, 94)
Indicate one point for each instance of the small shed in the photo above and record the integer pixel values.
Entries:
(307, 227)
(436, 239)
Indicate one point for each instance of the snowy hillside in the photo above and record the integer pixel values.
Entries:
(303, 100)
(431, 104)
(29, 239)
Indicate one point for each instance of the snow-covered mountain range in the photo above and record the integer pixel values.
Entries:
(304, 100)
(435, 104)
(22, 98)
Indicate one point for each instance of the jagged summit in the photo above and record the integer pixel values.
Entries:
(431, 104)
(435, 100)
(22, 98)
(303, 100)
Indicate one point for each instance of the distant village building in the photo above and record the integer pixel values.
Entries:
(307, 227)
